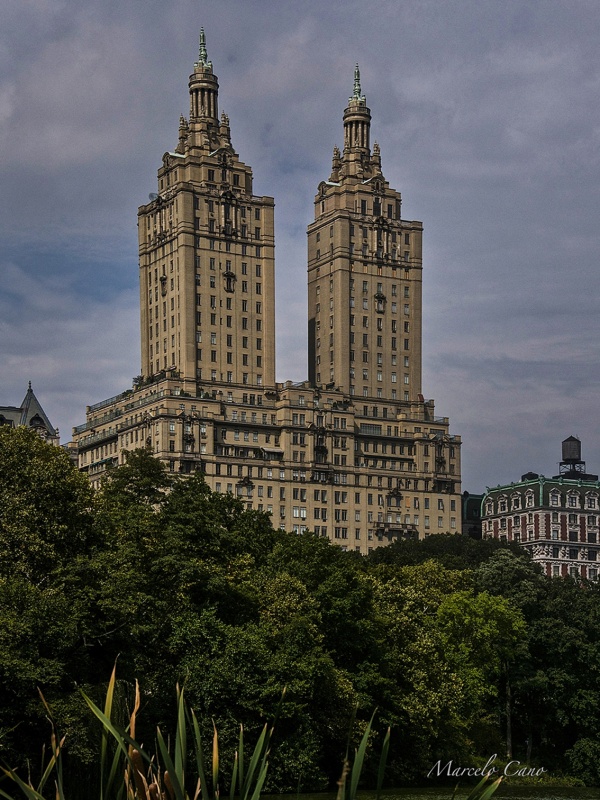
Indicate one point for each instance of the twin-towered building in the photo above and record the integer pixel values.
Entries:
(354, 453)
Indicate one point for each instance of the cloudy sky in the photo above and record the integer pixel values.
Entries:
(488, 117)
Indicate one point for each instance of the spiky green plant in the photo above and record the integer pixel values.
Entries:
(348, 790)
(129, 772)
(484, 789)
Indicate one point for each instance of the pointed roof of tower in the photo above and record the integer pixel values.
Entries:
(30, 413)
(203, 54)
(356, 95)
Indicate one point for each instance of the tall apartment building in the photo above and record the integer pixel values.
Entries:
(354, 453)
(206, 254)
(364, 274)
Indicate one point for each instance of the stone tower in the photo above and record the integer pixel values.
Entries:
(206, 255)
(364, 274)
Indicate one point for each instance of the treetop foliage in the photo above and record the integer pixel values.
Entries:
(455, 642)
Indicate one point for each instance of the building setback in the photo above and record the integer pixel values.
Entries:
(554, 519)
(354, 453)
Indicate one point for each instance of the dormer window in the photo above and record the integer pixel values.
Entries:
(591, 501)
(573, 501)
(529, 500)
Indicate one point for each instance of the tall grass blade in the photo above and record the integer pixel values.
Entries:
(56, 749)
(139, 779)
(180, 739)
(55, 762)
(234, 775)
(108, 702)
(358, 760)
(170, 767)
(483, 791)
(350, 729)
(121, 737)
(259, 752)
(489, 791)
(382, 763)
(215, 761)
(341, 792)
(241, 760)
(114, 773)
(27, 789)
(199, 758)
(260, 781)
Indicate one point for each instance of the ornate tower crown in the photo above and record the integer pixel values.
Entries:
(357, 121)
(356, 95)
(204, 88)
(203, 62)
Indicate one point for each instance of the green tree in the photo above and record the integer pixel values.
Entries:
(46, 507)
(48, 532)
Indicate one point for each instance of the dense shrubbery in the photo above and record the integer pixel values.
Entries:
(455, 642)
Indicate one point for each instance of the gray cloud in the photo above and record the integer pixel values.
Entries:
(488, 120)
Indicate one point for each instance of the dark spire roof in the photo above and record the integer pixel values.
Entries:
(33, 414)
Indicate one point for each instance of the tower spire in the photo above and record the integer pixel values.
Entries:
(204, 89)
(203, 54)
(356, 95)
(357, 121)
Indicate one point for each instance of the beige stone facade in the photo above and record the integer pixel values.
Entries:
(357, 457)
(206, 254)
(364, 274)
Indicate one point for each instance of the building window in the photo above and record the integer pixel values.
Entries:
(529, 500)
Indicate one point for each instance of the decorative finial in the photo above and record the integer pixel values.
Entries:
(356, 95)
(335, 164)
(203, 55)
(356, 81)
(376, 160)
(183, 132)
(29, 385)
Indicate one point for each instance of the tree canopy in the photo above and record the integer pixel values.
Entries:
(459, 645)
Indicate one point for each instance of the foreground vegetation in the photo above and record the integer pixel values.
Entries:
(462, 646)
